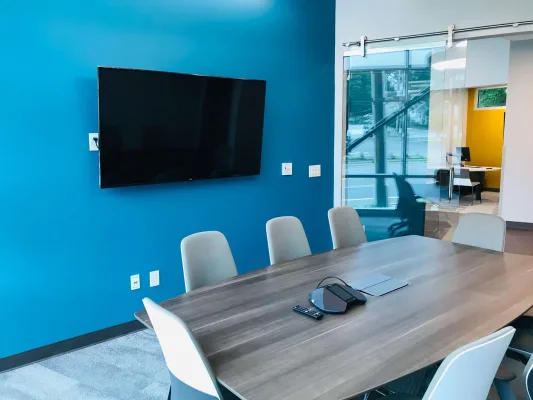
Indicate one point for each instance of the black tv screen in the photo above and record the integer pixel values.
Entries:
(157, 127)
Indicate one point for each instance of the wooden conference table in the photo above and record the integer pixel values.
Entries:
(261, 350)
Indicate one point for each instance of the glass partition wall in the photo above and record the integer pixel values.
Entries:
(404, 117)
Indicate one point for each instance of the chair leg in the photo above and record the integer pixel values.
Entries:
(504, 390)
(472, 203)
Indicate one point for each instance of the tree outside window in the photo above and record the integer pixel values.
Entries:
(491, 98)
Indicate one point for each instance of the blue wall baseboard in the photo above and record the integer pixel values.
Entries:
(67, 248)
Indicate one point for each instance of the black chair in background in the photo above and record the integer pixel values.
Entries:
(442, 180)
(410, 210)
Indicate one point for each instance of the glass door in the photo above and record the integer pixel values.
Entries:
(403, 117)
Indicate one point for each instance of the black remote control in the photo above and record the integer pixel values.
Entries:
(309, 312)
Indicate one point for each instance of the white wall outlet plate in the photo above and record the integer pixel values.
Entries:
(286, 169)
(92, 144)
(314, 171)
(154, 278)
(135, 281)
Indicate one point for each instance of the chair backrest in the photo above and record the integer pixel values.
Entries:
(468, 372)
(184, 357)
(207, 259)
(462, 177)
(346, 228)
(442, 177)
(464, 173)
(407, 203)
(481, 230)
(286, 239)
(528, 378)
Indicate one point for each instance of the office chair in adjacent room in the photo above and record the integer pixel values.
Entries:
(410, 211)
(463, 180)
(468, 372)
(346, 228)
(481, 230)
(286, 240)
(191, 376)
(207, 259)
(442, 180)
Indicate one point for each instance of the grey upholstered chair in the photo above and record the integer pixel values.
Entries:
(346, 228)
(468, 372)
(286, 239)
(207, 259)
(481, 230)
(463, 179)
(191, 376)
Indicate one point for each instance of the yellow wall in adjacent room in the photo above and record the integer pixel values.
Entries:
(484, 136)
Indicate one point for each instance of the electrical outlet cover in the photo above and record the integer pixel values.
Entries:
(154, 278)
(314, 171)
(92, 144)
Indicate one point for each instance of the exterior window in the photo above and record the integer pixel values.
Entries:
(491, 98)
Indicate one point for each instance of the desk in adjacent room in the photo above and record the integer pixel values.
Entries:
(260, 349)
(481, 171)
(477, 174)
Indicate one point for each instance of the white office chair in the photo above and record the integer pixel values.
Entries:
(464, 180)
(207, 259)
(286, 240)
(346, 228)
(481, 230)
(191, 376)
(468, 372)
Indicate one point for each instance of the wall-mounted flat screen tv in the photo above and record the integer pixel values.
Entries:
(158, 127)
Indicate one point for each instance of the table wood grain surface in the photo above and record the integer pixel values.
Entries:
(260, 349)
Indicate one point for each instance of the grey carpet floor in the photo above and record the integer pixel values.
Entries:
(129, 367)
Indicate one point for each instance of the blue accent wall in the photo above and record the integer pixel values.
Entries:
(67, 248)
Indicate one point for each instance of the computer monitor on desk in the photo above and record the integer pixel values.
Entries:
(464, 152)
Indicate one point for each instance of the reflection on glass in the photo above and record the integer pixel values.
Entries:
(404, 112)
(387, 119)
(375, 61)
(420, 58)
(407, 205)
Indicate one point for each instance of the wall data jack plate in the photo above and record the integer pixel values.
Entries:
(135, 282)
(154, 278)
(286, 169)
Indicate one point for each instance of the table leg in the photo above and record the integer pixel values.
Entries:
(450, 184)
(481, 185)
